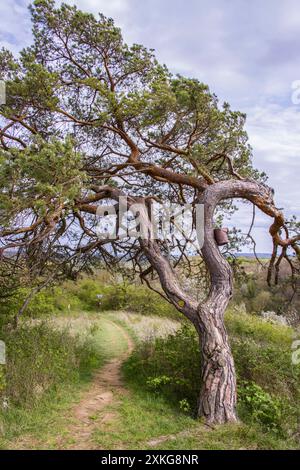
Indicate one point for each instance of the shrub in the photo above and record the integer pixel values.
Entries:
(261, 301)
(252, 290)
(139, 299)
(268, 383)
(170, 366)
(87, 291)
(261, 407)
(40, 358)
(83, 295)
(43, 303)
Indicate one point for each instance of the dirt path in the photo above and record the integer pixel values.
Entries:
(91, 412)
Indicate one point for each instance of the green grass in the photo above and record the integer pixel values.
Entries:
(167, 370)
(143, 415)
(108, 340)
(43, 423)
(229, 437)
(140, 418)
(43, 420)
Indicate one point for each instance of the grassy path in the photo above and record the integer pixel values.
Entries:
(77, 411)
(109, 413)
(93, 410)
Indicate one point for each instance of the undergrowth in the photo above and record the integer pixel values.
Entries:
(268, 382)
(43, 365)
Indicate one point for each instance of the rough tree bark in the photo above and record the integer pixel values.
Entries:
(217, 397)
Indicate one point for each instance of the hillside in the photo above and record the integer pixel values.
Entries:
(118, 379)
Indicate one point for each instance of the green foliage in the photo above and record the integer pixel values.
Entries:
(83, 293)
(40, 177)
(250, 327)
(139, 299)
(43, 303)
(169, 365)
(80, 69)
(268, 392)
(261, 406)
(185, 406)
(40, 358)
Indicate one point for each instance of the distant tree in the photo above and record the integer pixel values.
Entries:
(89, 119)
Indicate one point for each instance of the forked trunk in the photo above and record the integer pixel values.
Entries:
(217, 399)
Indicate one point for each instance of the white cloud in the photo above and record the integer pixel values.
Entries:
(15, 28)
(107, 7)
(274, 132)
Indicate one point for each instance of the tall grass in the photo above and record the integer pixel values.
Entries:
(268, 390)
(42, 362)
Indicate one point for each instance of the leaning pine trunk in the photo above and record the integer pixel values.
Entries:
(217, 399)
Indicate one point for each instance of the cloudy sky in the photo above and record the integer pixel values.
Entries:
(248, 53)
